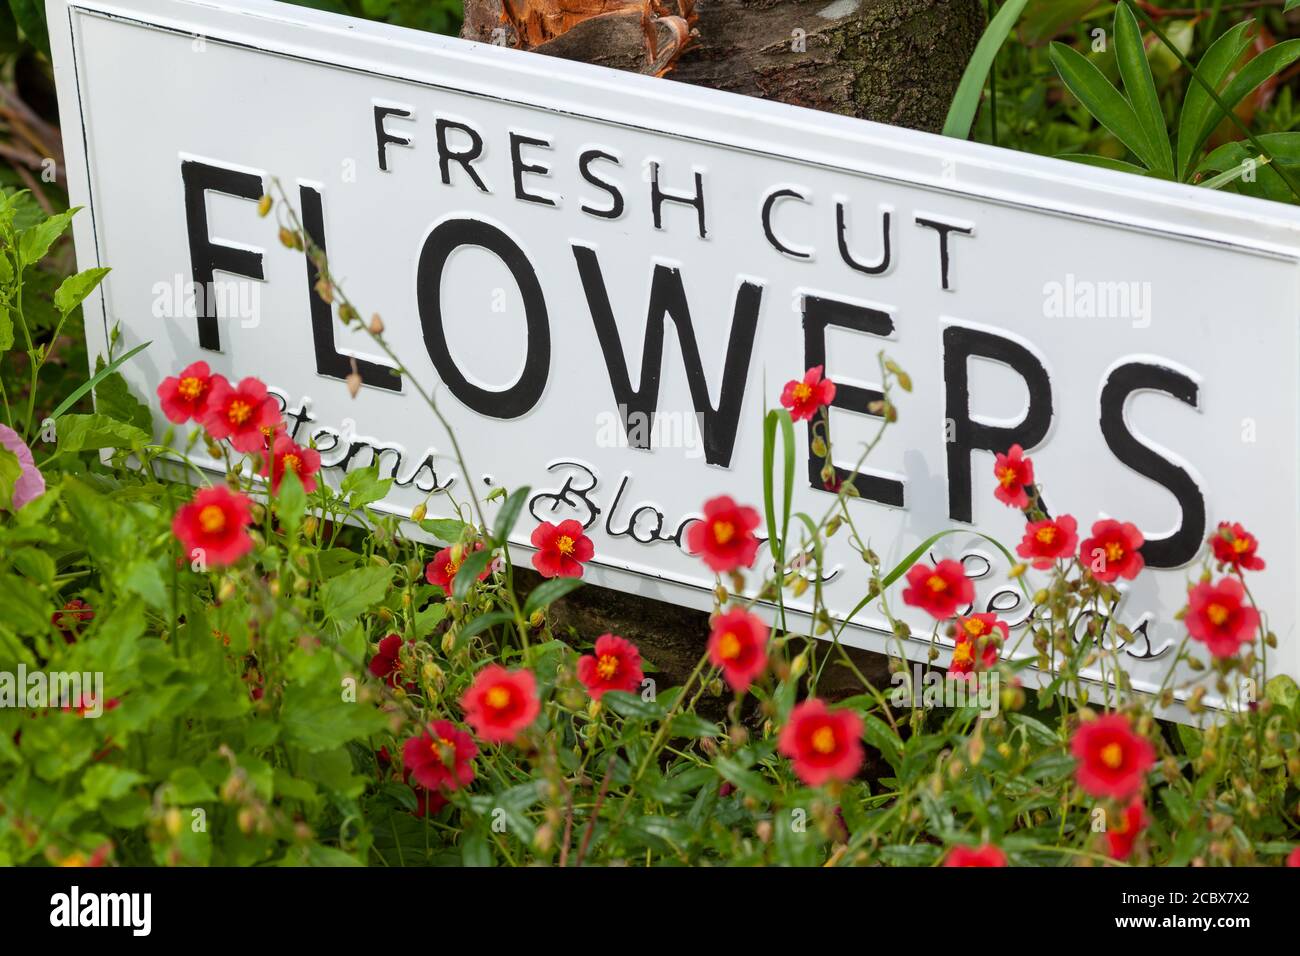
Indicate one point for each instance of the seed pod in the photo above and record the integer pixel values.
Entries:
(264, 205)
(354, 384)
(376, 325)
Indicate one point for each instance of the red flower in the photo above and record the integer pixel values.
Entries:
(214, 524)
(501, 703)
(1013, 471)
(724, 537)
(288, 456)
(1219, 617)
(387, 662)
(442, 570)
(439, 758)
(939, 590)
(1122, 837)
(738, 645)
(803, 398)
(1235, 546)
(561, 549)
(969, 654)
(241, 413)
(71, 617)
(1113, 760)
(823, 744)
(1113, 551)
(1047, 540)
(987, 855)
(1294, 858)
(185, 396)
(615, 665)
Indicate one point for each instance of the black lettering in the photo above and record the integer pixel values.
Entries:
(383, 138)
(207, 257)
(668, 298)
(818, 314)
(584, 166)
(1180, 547)
(519, 167)
(446, 155)
(442, 242)
(886, 257)
(964, 434)
(658, 197)
(943, 229)
(770, 233)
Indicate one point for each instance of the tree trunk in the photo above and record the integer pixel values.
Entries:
(892, 61)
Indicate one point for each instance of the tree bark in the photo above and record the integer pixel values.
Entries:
(892, 61)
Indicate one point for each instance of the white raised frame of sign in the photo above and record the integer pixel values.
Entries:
(1162, 318)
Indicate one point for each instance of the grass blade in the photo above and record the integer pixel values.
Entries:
(1141, 88)
(96, 379)
(966, 102)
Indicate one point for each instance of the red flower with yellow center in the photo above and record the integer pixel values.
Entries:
(562, 549)
(1014, 472)
(500, 703)
(822, 744)
(1235, 547)
(1122, 834)
(184, 397)
(1048, 541)
(977, 642)
(213, 526)
(440, 758)
(387, 662)
(987, 855)
(804, 398)
(738, 645)
(940, 590)
(287, 456)
(615, 664)
(241, 413)
(442, 570)
(724, 538)
(1113, 760)
(1113, 551)
(1219, 616)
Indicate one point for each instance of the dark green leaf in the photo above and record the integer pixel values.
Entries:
(548, 592)
(1141, 88)
(509, 513)
(966, 102)
(1090, 86)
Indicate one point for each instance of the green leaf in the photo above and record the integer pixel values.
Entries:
(364, 486)
(96, 379)
(446, 530)
(88, 432)
(631, 707)
(1290, 5)
(1105, 162)
(75, 288)
(30, 16)
(470, 569)
(880, 736)
(6, 324)
(966, 102)
(1141, 88)
(346, 596)
(548, 592)
(113, 398)
(11, 470)
(33, 243)
(1090, 86)
(317, 718)
(1199, 113)
(481, 624)
(509, 514)
(1045, 20)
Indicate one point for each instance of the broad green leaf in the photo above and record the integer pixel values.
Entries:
(317, 718)
(30, 16)
(880, 736)
(75, 288)
(966, 102)
(1141, 88)
(1290, 5)
(548, 592)
(1199, 112)
(113, 398)
(446, 530)
(346, 596)
(6, 325)
(88, 432)
(291, 500)
(482, 623)
(1090, 86)
(33, 243)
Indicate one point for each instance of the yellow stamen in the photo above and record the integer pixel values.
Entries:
(723, 531)
(1114, 551)
(190, 388)
(973, 626)
(1046, 535)
(1240, 545)
(212, 518)
(1007, 477)
(961, 654)
(823, 740)
(1217, 614)
(607, 666)
(1112, 755)
(498, 698)
(936, 584)
(238, 412)
(292, 463)
(729, 646)
(564, 544)
(802, 392)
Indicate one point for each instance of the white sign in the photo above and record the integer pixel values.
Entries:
(571, 254)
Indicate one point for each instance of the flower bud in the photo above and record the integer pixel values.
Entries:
(799, 664)
(264, 205)
(419, 511)
(376, 325)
